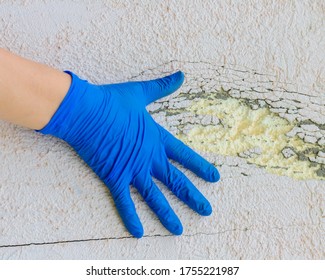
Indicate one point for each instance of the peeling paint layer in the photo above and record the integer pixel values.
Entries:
(270, 123)
(229, 126)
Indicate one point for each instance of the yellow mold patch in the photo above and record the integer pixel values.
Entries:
(258, 135)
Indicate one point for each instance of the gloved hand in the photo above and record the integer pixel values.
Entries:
(110, 129)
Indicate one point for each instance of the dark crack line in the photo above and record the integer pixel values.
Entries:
(252, 228)
(79, 240)
(109, 238)
(63, 242)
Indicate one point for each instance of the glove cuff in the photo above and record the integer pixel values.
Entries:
(58, 124)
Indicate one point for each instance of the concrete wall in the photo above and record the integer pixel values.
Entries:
(255, 58)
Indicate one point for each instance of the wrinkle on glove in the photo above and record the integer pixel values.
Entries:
(111, 130)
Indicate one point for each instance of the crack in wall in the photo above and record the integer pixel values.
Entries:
(63, 242)
(245, 229)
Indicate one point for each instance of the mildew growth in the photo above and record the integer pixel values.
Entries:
(260, 136)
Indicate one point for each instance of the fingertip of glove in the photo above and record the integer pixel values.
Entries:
(179, 74)
(215, 176)
(137, 233)
(177, 230)
(212, 174)
(135, 229)
(178, 77)
(205, 209)
(173, 224)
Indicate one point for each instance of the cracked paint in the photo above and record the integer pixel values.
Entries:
(265, 121)
(259, 136)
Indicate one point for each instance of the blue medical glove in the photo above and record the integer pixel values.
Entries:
(111, 130)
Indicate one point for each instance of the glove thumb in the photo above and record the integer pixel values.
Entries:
(156, 89)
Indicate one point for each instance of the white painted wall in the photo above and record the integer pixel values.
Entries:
(50, 199)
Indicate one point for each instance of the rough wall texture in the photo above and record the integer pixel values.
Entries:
(253, 103)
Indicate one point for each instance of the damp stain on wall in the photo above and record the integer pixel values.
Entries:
(237, 127)
(232, 110)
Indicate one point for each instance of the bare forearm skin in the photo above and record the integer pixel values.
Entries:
(30, 92)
